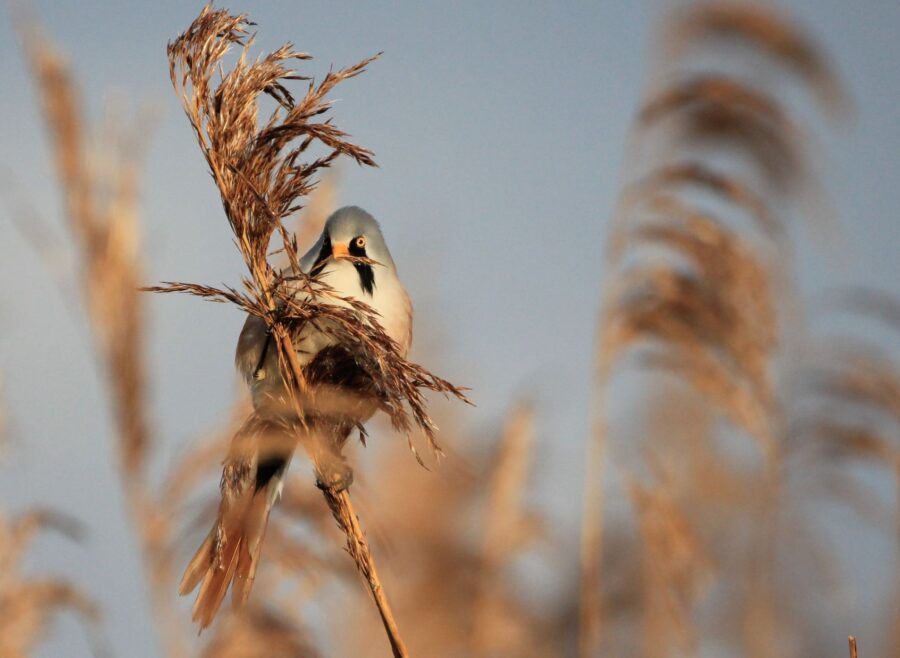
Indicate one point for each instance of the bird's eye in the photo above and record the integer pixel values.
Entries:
(360, 242)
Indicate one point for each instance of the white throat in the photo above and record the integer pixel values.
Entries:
(388, 297)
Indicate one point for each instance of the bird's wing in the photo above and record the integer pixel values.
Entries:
(253, 343)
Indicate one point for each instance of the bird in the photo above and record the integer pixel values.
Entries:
(352, 258)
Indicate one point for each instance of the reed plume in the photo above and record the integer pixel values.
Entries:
(690, 294)
(263, 171)
(744, 416)
(500, 626)
(98, 180)
(846, 412)
(29, 603)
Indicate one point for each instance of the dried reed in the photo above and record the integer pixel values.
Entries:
(764, 29)
(507, 529)
(692, 298)
(690, 292)
(28, 604)
(99, 184)
(464, 566)
(260, 632)
(848, 411)
(261, 177)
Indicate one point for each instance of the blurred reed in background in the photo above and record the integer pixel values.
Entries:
(745, 417)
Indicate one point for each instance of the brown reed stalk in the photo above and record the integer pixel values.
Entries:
(667, 545)
(29, 603)
(851, 640)
(341, 507)
(101, 209)
(261, 176)
(848, 408)
(266, 626)
(689, 291)
(506, 526)
(99, 185)
(482, 607)
(848, 404)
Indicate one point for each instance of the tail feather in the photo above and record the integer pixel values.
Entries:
(215, 584)
(248, 554)
(229, 555)
(198, 566)
(251, 483)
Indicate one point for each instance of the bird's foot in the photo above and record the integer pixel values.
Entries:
(337, 477)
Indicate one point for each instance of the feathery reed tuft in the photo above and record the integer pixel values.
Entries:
(691, 297)
(99, 185)
(263, 172)
(29, 603)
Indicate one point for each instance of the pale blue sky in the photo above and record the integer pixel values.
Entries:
(499, 129)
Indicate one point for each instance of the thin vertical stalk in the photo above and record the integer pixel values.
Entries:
(342, 508)
(106, 239)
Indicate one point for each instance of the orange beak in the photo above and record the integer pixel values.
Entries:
(340, 251)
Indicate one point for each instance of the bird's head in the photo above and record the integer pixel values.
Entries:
(350, 233)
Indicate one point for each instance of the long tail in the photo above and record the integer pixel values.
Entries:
(230, 553)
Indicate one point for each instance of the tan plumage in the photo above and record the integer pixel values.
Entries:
(230, 552)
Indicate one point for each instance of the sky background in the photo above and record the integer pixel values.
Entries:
(500, 131)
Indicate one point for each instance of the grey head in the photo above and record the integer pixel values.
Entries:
(351, 231)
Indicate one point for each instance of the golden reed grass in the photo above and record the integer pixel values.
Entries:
(99, 186)
(263, 172)
(28, 602)
(694, 299)
(691, 295)
(447, 553)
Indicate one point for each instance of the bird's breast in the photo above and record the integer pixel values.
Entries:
(388, 298)
(257, 357)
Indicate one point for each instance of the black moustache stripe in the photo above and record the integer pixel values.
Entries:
(366, 277)
(365, 271)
